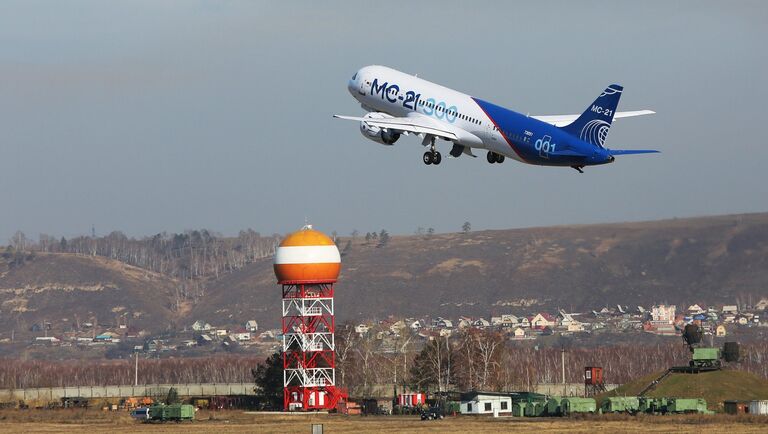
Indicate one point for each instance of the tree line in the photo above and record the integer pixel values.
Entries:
(190, 255)
(472, 360)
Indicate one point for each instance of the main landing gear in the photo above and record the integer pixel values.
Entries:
(431, 156)
(579, 168)
(494, 157)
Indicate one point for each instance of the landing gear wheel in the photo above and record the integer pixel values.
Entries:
(499, 158)
(491, 157)
(427, 158)
(436, 158)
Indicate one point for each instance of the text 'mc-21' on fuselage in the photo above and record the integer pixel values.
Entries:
(402, 104)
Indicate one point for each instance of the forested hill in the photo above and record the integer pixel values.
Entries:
(228, 280)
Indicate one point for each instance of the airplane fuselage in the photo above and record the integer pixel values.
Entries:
(477, 123)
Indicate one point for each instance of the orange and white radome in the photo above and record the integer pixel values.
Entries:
(307, 256)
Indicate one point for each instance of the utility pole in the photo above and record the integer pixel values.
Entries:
(136, 371)
(562, 357)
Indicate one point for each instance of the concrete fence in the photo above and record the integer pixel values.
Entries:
(56, 393)
(567, 389)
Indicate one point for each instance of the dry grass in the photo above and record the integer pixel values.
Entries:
(94, 421)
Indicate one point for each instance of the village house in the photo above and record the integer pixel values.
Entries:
(575, 326)
(362, 329)
(519, 333)
(663, 314)
(252, 326)
(542, 321)
(442, 323)
(241, 335)
(415, 325)
(731, 308)
(762, 304)
(201, 326)
(509, 320)
(481, 323)
(464, 323)
(397, 327)
(720, 331)
(695, 309)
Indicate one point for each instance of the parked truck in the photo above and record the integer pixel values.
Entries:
(165, 413)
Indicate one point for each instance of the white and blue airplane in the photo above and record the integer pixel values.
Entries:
(401, 104)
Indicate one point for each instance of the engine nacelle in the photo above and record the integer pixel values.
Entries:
(375, 133)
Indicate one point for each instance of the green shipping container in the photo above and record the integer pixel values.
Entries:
(172, 412)
(533, 409)
(621, 404)
(578, 405)
(553, 406)
(687, 405)
(518, 409)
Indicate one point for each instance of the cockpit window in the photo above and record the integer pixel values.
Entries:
(354, 77)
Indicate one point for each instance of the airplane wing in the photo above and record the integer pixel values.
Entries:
(411, 124)
(563, 120)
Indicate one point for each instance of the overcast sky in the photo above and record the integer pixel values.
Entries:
(165, 116)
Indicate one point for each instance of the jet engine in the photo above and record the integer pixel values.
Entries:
(378, 135)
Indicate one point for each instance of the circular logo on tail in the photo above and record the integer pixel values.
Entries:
(595, 132)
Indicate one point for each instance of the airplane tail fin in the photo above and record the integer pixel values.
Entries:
(593, 125)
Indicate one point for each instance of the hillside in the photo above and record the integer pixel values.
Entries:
(65, 288)
(709, 260)
(715, 387)
(705, 260)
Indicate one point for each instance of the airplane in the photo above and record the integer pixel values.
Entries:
(400, 104)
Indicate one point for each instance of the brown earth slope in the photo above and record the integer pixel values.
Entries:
(62, 288)
(710, 260)
(706, 260)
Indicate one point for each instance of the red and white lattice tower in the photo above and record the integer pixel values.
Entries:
(307, 264)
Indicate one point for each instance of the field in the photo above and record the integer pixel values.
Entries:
(94, 421)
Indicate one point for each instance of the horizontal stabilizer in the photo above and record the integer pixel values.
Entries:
(632, 151)
(568, 153)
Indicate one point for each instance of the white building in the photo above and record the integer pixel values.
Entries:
(485, 403)
(663, 314)
(509, 320)
(252, 326)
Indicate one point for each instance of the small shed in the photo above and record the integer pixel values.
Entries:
(758, 407)
(485, 403)
(736, 407)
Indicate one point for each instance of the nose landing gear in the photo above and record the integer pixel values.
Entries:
(432, 157)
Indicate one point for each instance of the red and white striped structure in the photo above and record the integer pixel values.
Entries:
(307, 264)
(411, 399)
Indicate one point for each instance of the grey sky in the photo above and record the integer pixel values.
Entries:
(164, 116)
